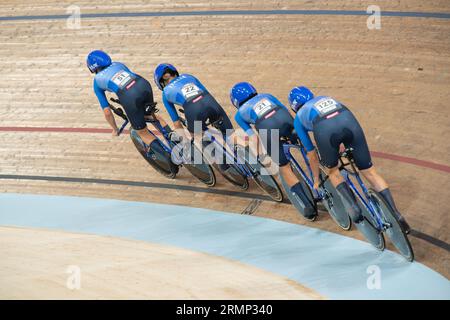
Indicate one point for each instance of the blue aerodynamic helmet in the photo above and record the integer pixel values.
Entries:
(298, 97)
(241, 93)
(97, 60)
(161, 70)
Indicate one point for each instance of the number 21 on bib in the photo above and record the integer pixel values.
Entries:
(262, 107)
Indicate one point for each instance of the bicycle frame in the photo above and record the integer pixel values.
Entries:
(242, 167)
(308, 179)
(364, 196)
(124, 125)
(155, 122)
(158, 126)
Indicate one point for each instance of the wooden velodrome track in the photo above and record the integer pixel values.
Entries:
(396, 80)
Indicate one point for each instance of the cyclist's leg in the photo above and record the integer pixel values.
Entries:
(380, 185)
(214, 112)
(146, 137)
(375, 180)
(270, 132)
(329, 134)
(226, 127)
(133, 101)
(294, 184)
(282, 122)
(363, 161)
(361, 155)
(172, 135)
(197, 112)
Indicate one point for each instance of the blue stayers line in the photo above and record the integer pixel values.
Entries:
(436, 15)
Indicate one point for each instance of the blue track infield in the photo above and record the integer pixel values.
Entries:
(335, 266)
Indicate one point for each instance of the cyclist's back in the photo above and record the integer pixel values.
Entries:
(133, 91)
(332, 124)
(272, 121)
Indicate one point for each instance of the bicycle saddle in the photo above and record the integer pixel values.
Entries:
(347, 153)
(150, 108)
(216, 124)
(292, 137)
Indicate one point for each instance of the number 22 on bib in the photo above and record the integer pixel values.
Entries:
(190, 90)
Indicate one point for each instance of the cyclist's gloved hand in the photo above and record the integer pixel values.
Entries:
(150, 109)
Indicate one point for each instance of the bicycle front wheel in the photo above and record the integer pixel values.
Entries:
(202, 170)
(368, 229)
(160, 162)
(269, 185)
(265, 181)
(234, 176)
(333, 203)
(392, 227)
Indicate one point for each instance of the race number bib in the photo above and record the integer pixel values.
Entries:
(190, 90)
(326, 105)
(262, 107)
(121, 79)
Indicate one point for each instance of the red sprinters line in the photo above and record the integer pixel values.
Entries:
(414, 161)
(56, 129)
(377, 154)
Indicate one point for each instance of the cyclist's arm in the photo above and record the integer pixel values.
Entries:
(253, 138)
(311, 152)
(314, 163)
(244, 125)
(170, 107)
(110, 119)
(101, 96)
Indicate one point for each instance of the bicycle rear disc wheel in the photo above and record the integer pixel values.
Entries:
(160, 162)
(394, 232)
(333, 203)
(367, 228)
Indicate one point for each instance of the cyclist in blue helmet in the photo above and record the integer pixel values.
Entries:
(134, 92)
(199, 106)
(334, 124)
(272, 121)
(188, 92)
